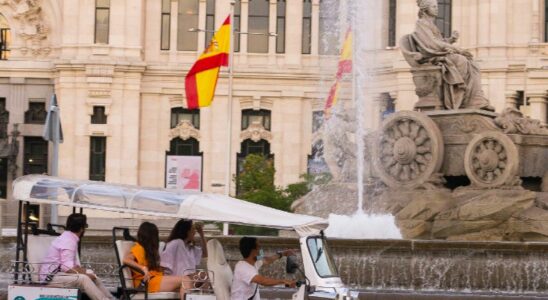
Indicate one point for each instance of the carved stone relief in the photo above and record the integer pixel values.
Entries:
(512, 121)
(31, 28)
(184, 130)
(256, 132)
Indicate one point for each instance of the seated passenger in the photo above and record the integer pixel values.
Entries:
(144, 255)
(245, 285)
(61, 266)
(181, 256)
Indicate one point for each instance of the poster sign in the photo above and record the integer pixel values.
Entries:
(184, 172)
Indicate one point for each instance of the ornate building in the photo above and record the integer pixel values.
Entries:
(118, 70)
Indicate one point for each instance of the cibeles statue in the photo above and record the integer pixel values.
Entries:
(445, 76)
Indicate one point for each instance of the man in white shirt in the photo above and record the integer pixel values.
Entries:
(245, 285)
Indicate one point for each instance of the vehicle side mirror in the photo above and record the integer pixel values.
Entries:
(291, 265)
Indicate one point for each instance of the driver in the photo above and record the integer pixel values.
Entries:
(245, 285)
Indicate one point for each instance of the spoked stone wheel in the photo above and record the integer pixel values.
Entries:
(491, 159)
(408, 151)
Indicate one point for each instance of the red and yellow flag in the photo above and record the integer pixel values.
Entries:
(344, 67)
(201, 80)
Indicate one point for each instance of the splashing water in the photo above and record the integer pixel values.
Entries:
(363, 226)
(363, 17)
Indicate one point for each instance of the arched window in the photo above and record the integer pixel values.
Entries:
(5, 38)
(443, 21)
(257, 40)
(189, 147)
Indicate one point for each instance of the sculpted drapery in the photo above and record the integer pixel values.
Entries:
(461, 76)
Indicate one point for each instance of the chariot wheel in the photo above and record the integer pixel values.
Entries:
(408, 151)
(491, 160)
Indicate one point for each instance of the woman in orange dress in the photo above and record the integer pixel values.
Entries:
(144, 255)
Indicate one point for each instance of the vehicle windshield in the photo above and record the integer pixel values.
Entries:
(321, 257)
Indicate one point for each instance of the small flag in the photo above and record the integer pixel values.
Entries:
(344, 67)
(52, 118)
(201, 80)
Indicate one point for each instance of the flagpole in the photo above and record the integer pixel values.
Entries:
(55, 156)
(229, 125)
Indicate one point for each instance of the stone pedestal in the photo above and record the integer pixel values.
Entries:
(428, 87)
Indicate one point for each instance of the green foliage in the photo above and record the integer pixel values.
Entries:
(256, 184)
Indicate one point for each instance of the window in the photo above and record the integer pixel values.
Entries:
(329, 27)
(190, 146)
(520, 101)
(317, 120)
(187, 18)
(316, 162)
(5, 38)
(4, 119)
(3, 177)
(389, 106)
(257, 39)
(307, 27)
(166, 25)
(250, 116)
(97, 157)
(546, 21)
(35, 160)
(102, 20)
(179, 114)
(392, 23)
(280, 27)
(98, 116)
(443, 20)
(36, 114)
(250, 147)
(210, 21)
(237, 21)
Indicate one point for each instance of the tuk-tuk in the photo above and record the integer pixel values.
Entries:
(322, 279)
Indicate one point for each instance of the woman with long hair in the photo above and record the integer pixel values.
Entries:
(181, 255)
(144, 255)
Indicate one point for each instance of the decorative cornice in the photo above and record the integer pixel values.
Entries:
(184, 130)
(256, 132)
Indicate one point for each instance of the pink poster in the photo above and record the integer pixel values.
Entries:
(184, 172)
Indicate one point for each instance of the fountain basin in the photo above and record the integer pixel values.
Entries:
(404, 266)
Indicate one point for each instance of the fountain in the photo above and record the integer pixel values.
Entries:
(452, 175)
(415, 164)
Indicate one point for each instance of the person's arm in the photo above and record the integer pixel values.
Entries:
(270, 259)
(130, 260)
(265, 281)
(68, 265)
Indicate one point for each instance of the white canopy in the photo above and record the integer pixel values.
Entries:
(159, 202)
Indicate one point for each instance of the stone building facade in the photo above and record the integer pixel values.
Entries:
(118, 67)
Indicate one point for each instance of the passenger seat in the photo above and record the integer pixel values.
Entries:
(222, 273)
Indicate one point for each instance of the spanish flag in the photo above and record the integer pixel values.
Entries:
(344, 67)
(201, 80)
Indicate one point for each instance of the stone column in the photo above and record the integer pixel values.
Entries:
(173, 31)
(202, 25)
(511, 99)
(293, 38)
(538, 104)
(315, 27)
